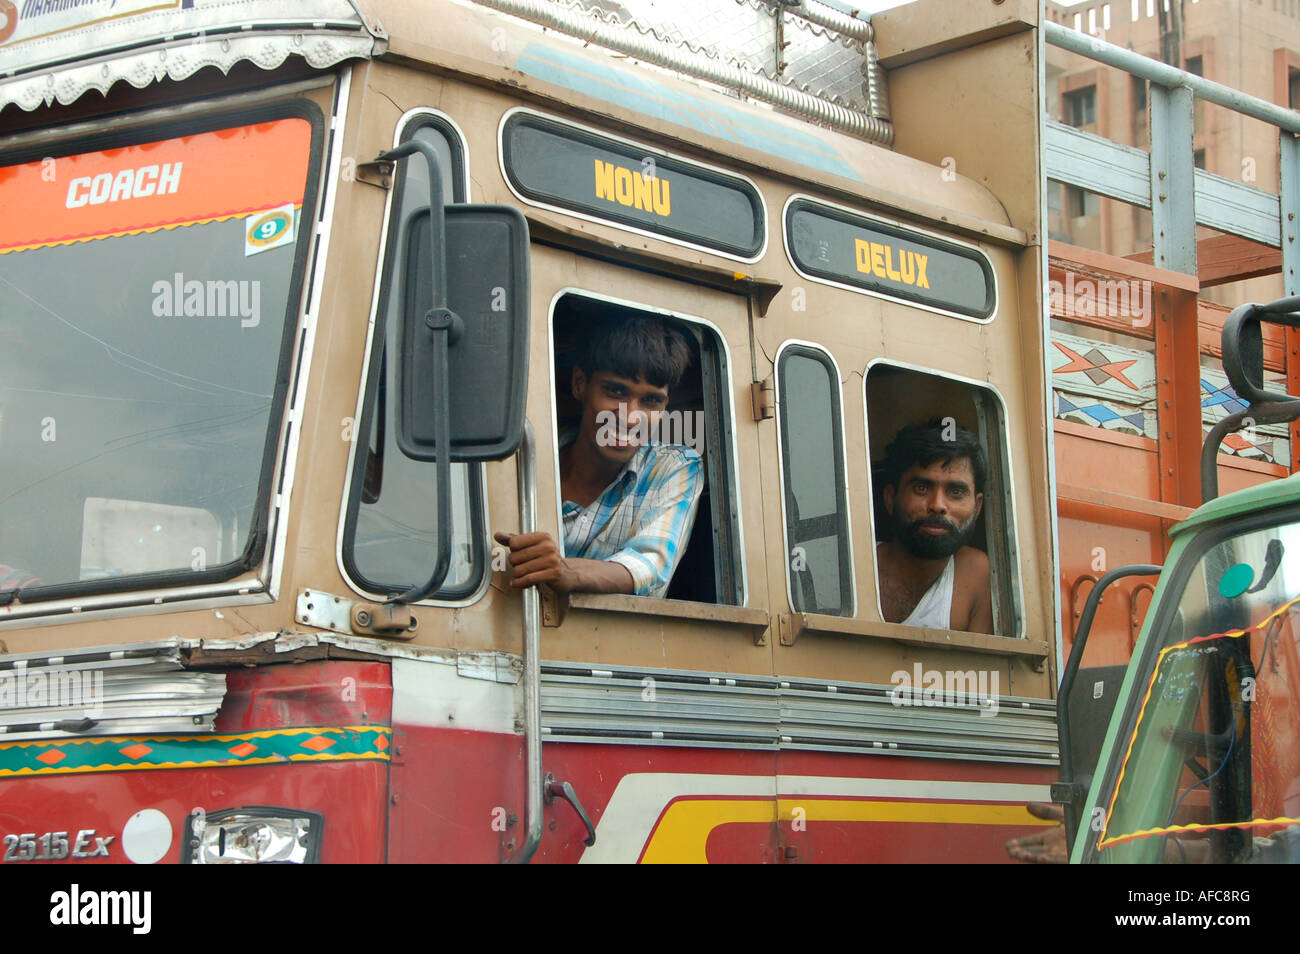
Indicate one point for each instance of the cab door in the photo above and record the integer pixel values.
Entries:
(678, 693)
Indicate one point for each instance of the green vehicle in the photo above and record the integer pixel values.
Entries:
(1201, 760)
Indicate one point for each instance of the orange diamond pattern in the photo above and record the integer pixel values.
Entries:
(318, 743)
(137, 751)
(381, 743)
(51, 757)
(243, 749)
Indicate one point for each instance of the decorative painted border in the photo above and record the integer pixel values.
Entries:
(134, 752)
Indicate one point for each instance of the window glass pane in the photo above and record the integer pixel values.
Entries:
(144, 292)
(813, 473)
(1213, 770)
(392, 536)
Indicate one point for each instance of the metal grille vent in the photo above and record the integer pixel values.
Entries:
(809, 59)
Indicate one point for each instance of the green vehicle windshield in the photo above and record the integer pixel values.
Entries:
(1208, 762)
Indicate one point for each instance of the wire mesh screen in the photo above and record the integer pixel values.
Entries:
(753, 35)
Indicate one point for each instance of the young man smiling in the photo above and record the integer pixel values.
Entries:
(933, 493)
(628, 504)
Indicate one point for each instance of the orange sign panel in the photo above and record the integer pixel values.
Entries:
(205, 177)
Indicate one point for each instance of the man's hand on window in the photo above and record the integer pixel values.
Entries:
(535, 558)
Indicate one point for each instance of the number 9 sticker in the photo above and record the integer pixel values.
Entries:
(268, 230)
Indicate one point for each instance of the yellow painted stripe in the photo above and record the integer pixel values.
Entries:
(138, 230)
(683, 831)
(1174, 829)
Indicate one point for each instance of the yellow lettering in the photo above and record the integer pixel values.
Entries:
(643, 196)
(623, 186)
(604, 180)
(889, 265)
(921, 281)
(663, 200)
(907, 267)
(878, 260)
(862, 248)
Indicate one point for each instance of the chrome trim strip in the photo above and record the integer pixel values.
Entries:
(599, 704)
(308, 321)
(526, 468)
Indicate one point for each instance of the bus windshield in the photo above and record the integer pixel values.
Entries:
(1211, 770)
(144, 294)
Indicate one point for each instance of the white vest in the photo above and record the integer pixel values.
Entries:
(935, 608)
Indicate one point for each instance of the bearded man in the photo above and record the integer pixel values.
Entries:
(933, 492)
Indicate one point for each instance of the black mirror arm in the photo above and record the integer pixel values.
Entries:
(438, 221)
(444, 325)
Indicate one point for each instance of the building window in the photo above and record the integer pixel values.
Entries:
(1198, 158)
(390, 528)
(1080, 106)
(1293, 89)
(813, 485)
(1081, 202)
(1139, 87)
(1195, 65)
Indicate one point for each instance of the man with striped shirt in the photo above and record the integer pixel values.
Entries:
(628, 503)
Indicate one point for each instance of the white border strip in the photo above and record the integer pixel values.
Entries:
(649, 151)
(638, 801)
(307, 324)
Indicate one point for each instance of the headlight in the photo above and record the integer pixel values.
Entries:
(256, 835)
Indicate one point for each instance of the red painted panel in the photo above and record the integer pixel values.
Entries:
(303, 694)
(853, 842)
(454, 793)
(351, 796)
(596, 770)
(744, 843)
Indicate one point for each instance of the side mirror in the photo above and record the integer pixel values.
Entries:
(464, 315)
(1243, 347)
(487, 350)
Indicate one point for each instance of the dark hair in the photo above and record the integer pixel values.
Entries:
(637, 347)
(924, 444)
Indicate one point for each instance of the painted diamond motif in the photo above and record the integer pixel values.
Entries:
(137, 751)
(381, 743)
(1100, 412)
(51, 757)
(318, 743)
(243, 749)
